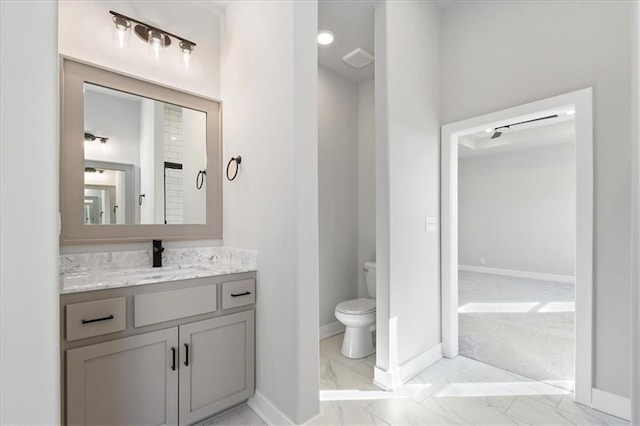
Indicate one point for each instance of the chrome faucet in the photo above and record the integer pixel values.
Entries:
(157, 253)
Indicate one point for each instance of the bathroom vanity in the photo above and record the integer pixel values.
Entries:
(143, 345)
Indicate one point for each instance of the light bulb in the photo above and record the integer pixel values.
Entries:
(121, 33)
(156, 41)
(325, 37)
(187, 48)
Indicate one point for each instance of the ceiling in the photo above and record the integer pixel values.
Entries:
(352, 23)
(215, 6)
(521, 137)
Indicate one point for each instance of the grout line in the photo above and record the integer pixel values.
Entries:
(510, 405)
(373, 415)
(560, 400)
(583, 409)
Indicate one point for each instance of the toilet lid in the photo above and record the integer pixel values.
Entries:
(357, 306)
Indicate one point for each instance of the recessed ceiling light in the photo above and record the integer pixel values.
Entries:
(571, 112)
(325, 37)
(489, 130)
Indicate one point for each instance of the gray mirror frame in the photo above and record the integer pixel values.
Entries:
(74, 231)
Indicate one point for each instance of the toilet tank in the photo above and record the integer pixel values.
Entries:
(370, 277)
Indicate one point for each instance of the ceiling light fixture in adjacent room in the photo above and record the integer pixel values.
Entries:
(155, 37)
(571, 112)
(325, 37)
(499, 130)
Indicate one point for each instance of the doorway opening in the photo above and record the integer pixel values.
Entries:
(503, 297)
(346, 198)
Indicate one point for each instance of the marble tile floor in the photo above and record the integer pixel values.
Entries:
(458, 391)
(237, 416)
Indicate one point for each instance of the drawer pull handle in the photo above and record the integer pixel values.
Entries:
(241, 294)
(173, 358)
(110, 317)
(186, 355)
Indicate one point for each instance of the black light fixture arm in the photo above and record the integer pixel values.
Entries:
(528, 121)
(498, 130)
(151, 27)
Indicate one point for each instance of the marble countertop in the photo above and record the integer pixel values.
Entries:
(99, 271)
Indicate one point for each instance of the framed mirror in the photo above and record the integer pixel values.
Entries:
(138, 161)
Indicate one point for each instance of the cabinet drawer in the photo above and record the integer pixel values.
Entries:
(170, 305)
(90, 319)
(238, 293)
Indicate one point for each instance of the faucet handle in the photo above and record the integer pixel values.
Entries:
(157, 246)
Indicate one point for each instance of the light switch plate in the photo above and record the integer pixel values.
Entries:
(431, 224)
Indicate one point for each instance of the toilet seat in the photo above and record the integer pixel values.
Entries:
(363, 305)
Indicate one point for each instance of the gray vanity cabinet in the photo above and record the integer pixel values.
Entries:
(214, 374)
(125, 381)
(168, 353)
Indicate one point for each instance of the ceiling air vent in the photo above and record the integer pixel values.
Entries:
(359, 58)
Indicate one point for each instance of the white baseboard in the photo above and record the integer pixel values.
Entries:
(610, 403)
(331, 329)
(519, 274)
(389, 380)
(268, 412)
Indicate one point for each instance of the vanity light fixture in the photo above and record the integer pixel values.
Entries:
(325, 37)
(90, 137)
(155, 37)
(93, 170)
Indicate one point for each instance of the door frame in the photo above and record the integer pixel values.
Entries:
(581, 100)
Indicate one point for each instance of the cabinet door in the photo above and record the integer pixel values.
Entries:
(127, 381)
(216, 365)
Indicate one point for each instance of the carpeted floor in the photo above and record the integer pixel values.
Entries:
(521, 325)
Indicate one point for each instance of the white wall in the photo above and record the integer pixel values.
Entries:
(407, 182)
(117, 119)
(635, 216)
(29, 359)
(148, 154)
(337, 191)
(269, 87)
(517, 210)
(366, 180)
(194, 138)
(86, 34)
(497, 55)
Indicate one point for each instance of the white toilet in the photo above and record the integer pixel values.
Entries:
(358, 315)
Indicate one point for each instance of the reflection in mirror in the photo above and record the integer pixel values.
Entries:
(142, 163)
(113, 184)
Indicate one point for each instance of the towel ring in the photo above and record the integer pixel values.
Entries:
(200, 179)
(232, 167)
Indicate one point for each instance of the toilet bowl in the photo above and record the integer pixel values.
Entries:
(358, 315)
